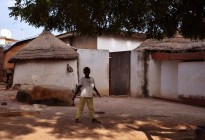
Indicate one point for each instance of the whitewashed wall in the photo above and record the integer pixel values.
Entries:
(191, 79)
(46, 73)
(153, 77)
(169, 79)
(162, 78)
(98, 62)
(136, 74)
(116, 44)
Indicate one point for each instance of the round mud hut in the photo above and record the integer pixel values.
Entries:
(46, 60)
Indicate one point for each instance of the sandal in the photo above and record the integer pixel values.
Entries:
(95, 121)
(77, 120)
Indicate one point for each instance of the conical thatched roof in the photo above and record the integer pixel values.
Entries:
(177, 44)
(45, 47)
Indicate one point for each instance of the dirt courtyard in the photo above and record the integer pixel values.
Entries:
(123, 118)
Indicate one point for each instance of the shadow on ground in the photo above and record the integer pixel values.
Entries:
(60, 125)
(124, 119)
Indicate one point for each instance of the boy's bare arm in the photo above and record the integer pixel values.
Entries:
(76, 92)
(95, 89)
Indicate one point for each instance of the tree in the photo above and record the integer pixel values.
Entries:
(156, 18)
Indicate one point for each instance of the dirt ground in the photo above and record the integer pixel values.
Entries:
(123, 118)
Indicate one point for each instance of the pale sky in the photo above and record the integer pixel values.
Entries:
(19, 30)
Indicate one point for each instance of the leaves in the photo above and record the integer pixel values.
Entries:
(156, 18)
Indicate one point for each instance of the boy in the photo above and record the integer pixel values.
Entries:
(86, 86)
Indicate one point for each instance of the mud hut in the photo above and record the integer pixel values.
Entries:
(170, 69)
(46, 60)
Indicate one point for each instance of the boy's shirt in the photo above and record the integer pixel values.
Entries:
(87, 86)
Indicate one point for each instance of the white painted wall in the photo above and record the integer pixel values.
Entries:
(154, 77)
(98, 62)
(137, 80)
(116, 44)
(169, 79)
(191, 79)
(136, 74)
(162, 78)
(46, 73)
(173, 78)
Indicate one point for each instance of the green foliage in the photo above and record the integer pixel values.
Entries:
(156, 18)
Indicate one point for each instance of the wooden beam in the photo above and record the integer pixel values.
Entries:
(188, 56)
(160, 56)
(179, 56)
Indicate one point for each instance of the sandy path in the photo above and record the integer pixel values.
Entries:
(124, 119)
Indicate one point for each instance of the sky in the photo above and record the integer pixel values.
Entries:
(19, 29)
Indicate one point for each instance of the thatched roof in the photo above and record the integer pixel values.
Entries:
(45, 47)
(177, 44)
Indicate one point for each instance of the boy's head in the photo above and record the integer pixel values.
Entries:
(86, 71)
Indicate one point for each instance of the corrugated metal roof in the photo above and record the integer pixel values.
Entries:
(10, 45)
